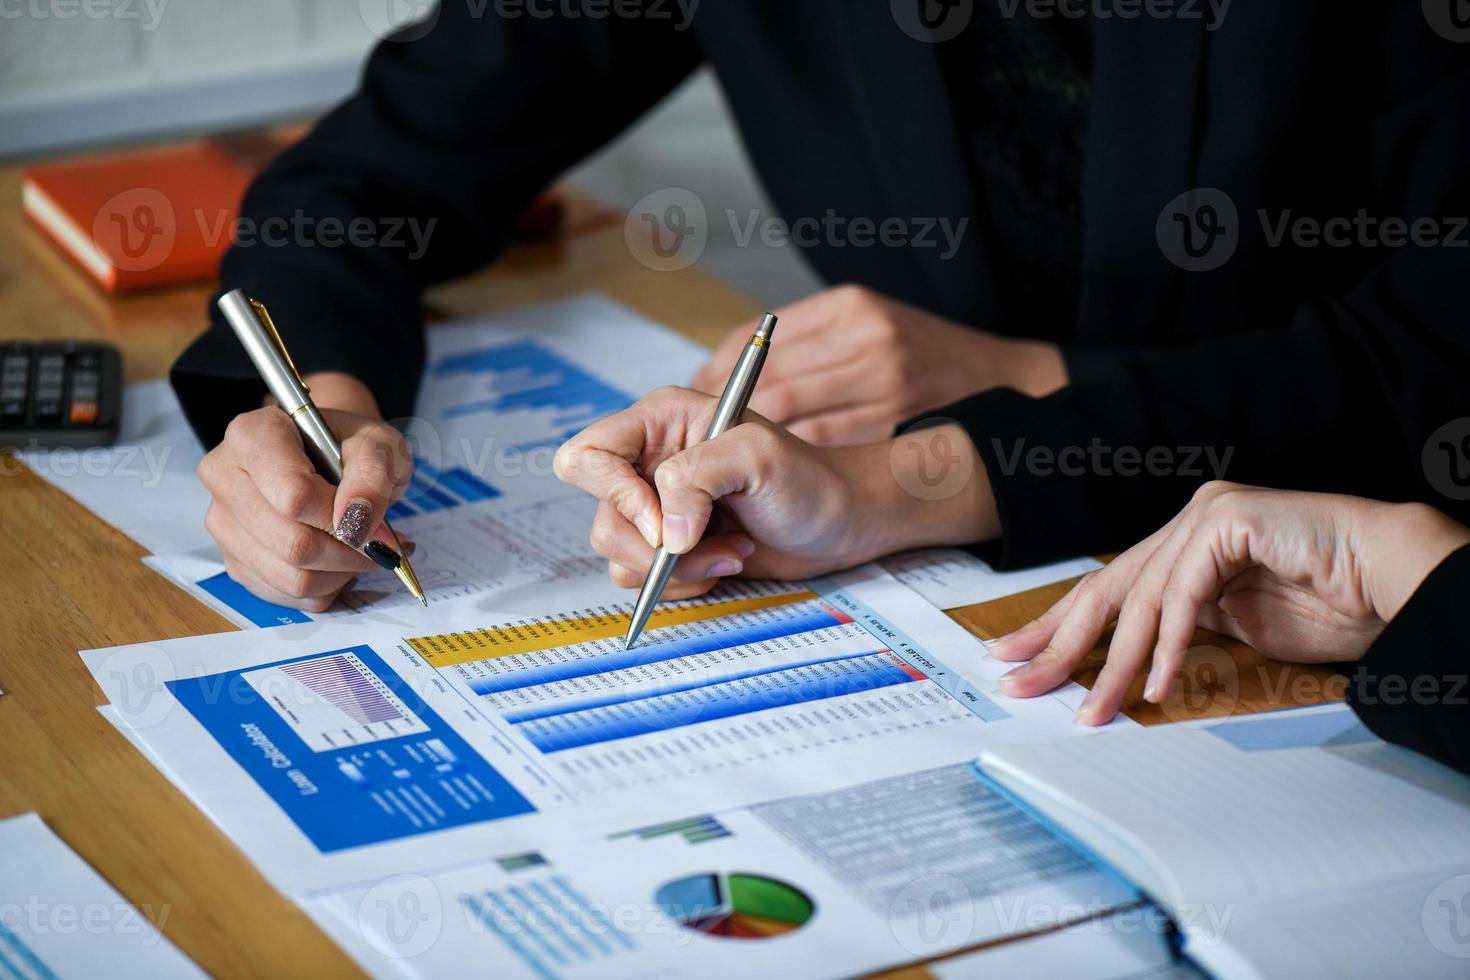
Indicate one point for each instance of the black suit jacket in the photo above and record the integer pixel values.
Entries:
(1413, 685)
(1322, 368)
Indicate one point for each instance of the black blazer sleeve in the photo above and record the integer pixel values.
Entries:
(1366, 373)
(449, 137)
(1413, 685)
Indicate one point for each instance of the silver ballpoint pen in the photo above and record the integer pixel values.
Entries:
(727, 413)
(257, 332)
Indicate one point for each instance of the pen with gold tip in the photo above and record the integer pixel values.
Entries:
(253, 325)
(727, 413)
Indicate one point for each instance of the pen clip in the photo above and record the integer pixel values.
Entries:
(270, 326)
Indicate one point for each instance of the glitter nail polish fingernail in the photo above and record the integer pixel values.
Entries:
(357, 520)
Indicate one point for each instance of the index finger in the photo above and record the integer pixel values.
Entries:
(600, 460)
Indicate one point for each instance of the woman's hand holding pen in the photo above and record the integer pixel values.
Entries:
(757, 500)
(287, 534)
(1302, 577)
(855, 364)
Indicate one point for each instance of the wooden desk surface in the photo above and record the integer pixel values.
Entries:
(69, 582)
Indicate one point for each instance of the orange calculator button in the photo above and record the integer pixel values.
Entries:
(83, 413)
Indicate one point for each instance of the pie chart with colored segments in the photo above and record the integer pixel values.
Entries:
(735, 906)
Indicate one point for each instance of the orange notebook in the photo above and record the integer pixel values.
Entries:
(148, 218)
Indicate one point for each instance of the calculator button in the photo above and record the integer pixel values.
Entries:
(48, 394)
(86, 359)
(12, 393)
(13, 411)
(48, 410)
(83, 412)
(51, 362)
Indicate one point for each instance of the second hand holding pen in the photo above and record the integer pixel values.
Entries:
(727, 413)
(258, 335)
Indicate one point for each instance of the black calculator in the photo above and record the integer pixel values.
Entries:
(55, 394)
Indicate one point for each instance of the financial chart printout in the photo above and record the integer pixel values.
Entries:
(759, 675)
(326, 741)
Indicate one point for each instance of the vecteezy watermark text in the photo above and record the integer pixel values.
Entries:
(150, 12)
(1212, 12)
(1100, 459)
(1200, 230)
(669, 229)
(411, 20)
(36, 916)
(838, 231)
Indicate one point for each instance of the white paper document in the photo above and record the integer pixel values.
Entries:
(1286, 843)
(951, 577)
(60, 920)
(810, 886)
(818, 733)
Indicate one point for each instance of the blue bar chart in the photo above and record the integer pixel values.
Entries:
(431, 489)
(524, 377)
(787, 622)
(716, 699)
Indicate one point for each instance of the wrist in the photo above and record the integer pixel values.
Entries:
(924, 488)
(1403, 544)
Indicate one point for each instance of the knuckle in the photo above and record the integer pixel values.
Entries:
(852, 294)
(1214, 490)
(251, 426)
(883, 328)
(208, 467)
(318, 604)
(1173, 594)
(294, 494)
(298, 583)
(214, 521)
(604, 537)
(1090, 604)
(300, 545)
(673, 474)
(241, 428)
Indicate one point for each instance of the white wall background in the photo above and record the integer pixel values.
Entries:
(78, 74)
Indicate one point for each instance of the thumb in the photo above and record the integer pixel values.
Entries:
(690, 482)
(376, 465)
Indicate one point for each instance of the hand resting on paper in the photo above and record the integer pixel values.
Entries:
(1302, 577)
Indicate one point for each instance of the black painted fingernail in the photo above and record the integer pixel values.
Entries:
(357, 520)
(382, 554)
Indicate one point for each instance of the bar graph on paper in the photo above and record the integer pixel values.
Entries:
(545, 397)
(431, 489)
(758, 668)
